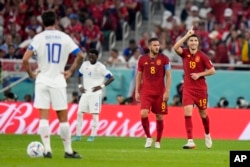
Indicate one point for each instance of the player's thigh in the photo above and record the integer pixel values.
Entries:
(201, 99)
(188, 97)
(42, 96)
(95, 103)
(59, 98)
(146, 102)
(83, 103)
(159, 106)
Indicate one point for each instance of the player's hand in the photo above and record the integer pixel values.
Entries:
(67, 74)
(137, 96)
(34, 75)
(82, 90)
(190, 31)
(195, 76)
(96, 88)
(165, 96)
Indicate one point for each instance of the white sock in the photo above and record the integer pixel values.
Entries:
(45, 134)
(66, 136)
(79, 123)
(94, 127)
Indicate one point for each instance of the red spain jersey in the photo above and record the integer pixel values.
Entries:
(196, 63)
(153, 74)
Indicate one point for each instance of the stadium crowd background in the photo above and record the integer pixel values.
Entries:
(223, 27)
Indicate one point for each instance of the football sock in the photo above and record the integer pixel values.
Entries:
(65, 135)
(94, 127)
(79, 123)
(189, 127)
(205, 122)
(145, 125)
(45, 134)
(159, 128)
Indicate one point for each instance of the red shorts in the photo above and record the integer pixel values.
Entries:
(197, 97)
(154, 103)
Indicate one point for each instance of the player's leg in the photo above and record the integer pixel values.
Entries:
(95, 104)
(60, 105)
(82, 106)
(202, 105)
(42, 101)
(159, 129)
(188, 109)
(205, 122)
(188, 101)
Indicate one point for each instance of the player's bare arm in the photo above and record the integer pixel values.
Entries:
(177, 47)
(77, 62)
(99, 87)
(26, 58)
(137, 85)
(168, 85)
(207, 72)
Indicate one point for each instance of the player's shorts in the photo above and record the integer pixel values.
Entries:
(90, 103)
(46, 96)
(154, 103)
(197, 97)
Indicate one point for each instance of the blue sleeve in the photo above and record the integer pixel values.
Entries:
(108, 76)
(77, 50)
(167, 66)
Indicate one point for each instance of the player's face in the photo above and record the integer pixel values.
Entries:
(154, 47)
(92, 58)
(193, 43)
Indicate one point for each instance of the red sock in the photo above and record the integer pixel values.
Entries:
(145, 125)
(205, 122)
(159, 128)
(189, 127)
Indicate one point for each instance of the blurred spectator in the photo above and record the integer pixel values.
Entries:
(234, 48)
(132, 6)
(144, 9)
(220, 48)
(28, 98)
(12, 53)
(34, 25)
(169, 5)
(75, 98)
(170, 53)
(185, 11)
(132, 62)
(210, 21)
(128, 51)
(176, 101)
(74, 29)
(193, 18)
(204, 9)
(144, 41)
(91, 35)
(203, 35)
(245, 52)
(169, 21)
(97, 11)
(115, 59)
(10, 97)
(8, 40)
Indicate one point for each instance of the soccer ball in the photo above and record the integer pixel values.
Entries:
(35, 149)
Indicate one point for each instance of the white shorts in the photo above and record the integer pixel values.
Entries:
(90, 103)
(46, 96)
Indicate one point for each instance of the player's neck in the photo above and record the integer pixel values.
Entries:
(193, 51)
(152, 55)
(50, 28)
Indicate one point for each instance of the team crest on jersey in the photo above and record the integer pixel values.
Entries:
(158, 62)
(197, 59)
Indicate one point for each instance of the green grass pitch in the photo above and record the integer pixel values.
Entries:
(119, 152)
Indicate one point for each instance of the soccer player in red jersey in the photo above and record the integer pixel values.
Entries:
(152, 90)
(196, 66)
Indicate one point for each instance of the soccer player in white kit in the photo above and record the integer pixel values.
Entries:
(52, 48)
(95, 76)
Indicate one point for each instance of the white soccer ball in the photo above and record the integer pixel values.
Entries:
(35, 149)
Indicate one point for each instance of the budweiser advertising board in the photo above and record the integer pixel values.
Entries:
(117, 120)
